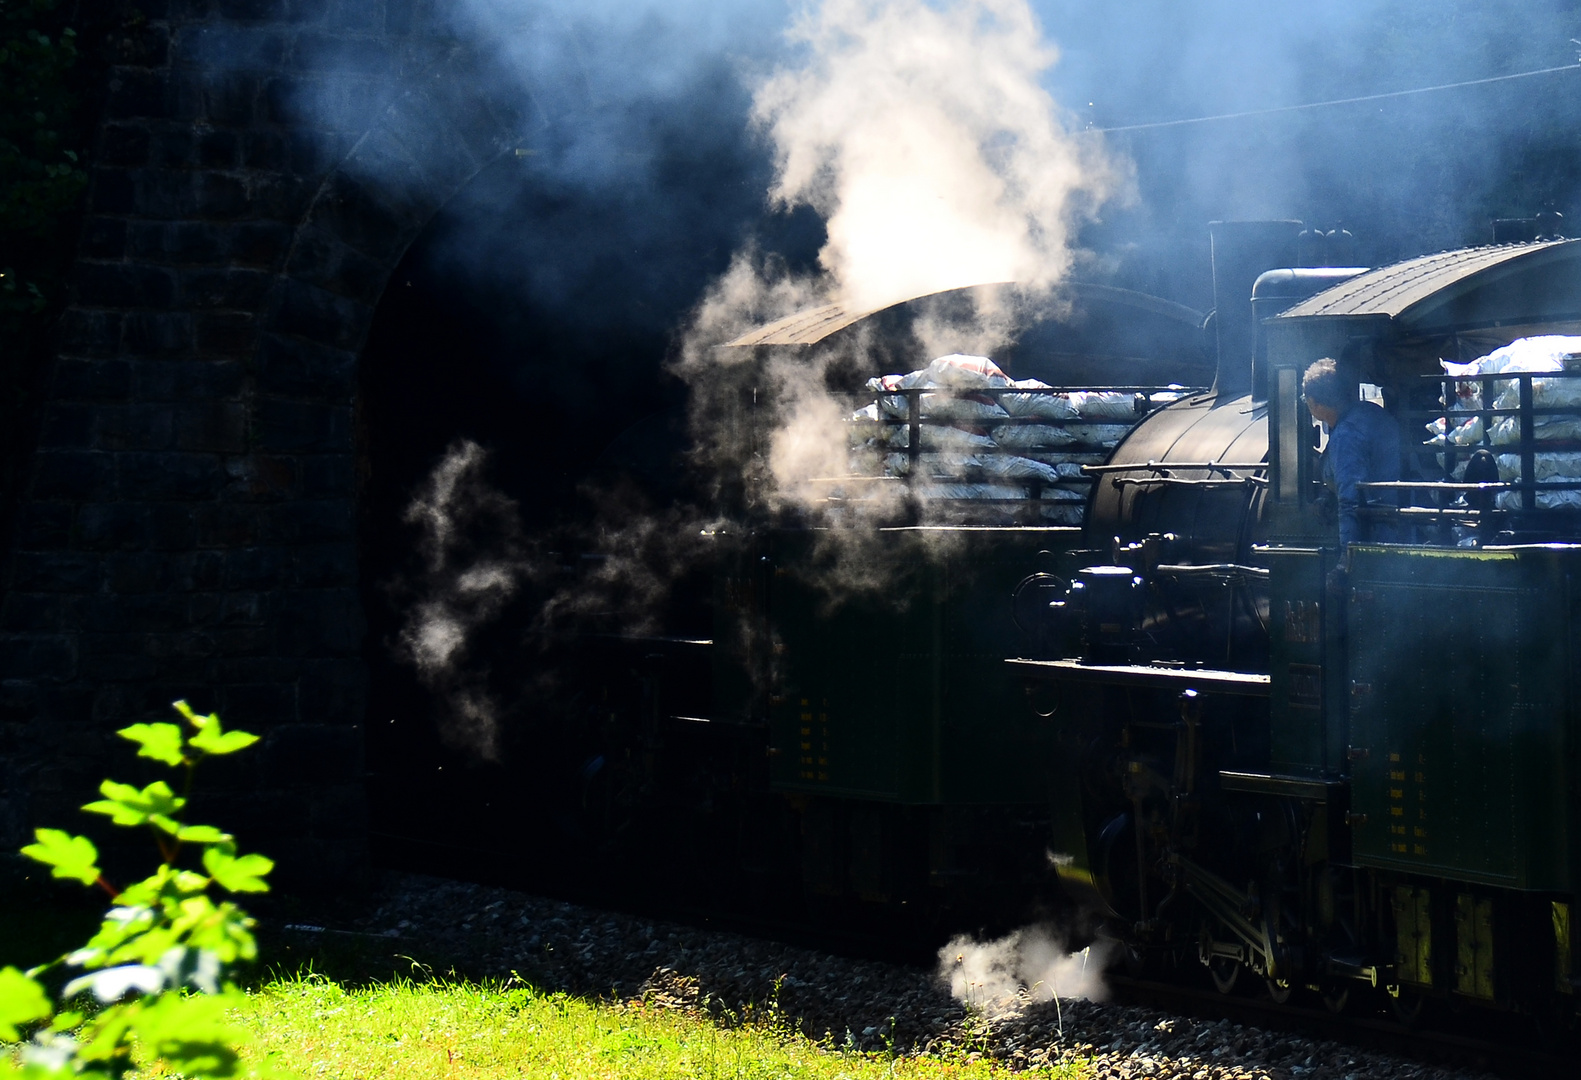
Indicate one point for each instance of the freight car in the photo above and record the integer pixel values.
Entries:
(1326, 769)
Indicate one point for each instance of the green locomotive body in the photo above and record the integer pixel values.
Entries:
(1389, 795)
(1237, 744)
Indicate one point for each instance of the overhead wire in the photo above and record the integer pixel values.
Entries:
(1338, 101)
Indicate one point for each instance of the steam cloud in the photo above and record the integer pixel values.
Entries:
(1027, 966)
(922, 135)
(473, 563)
(920, 132)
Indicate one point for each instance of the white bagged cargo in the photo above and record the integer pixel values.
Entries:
(969, 410)
(1506, 430)
(934, 437)
(1547, 352)
(1032, 436)
(959, 371)
(1468, 433)
(1546, 466)
(1104, 405)
(1044, 406)
(1010, 467)
(1546, 500)
(968, 490)
(970, 447)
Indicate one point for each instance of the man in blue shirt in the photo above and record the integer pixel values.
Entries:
(1364, 446)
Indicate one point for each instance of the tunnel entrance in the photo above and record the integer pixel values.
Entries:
(531, 319)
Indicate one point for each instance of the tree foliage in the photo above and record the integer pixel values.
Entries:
(152, 985)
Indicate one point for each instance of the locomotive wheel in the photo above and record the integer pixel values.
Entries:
(1336, 998)
(1407, 1005)
(1225, 973)
(1279, 990)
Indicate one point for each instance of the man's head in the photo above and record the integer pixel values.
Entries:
(1324, 392)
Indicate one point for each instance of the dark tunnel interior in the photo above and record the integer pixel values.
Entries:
(534, 319)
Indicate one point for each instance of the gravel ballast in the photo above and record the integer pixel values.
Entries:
(485, 931)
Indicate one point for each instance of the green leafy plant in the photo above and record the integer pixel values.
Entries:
(154, 983)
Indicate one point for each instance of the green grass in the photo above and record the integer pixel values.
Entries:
(466, 1031)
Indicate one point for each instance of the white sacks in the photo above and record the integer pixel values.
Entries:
(1002, 446)
(1534, 354)
(1547, 353)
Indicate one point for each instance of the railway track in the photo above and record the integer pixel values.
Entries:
(1503, 1045)
(876, 988)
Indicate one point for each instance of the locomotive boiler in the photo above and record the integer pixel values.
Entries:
(1326, 769)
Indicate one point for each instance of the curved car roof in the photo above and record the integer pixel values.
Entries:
(1414, 290)
(815, 324)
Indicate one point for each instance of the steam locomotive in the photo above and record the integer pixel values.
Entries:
(1336, 779)
(1234, 744)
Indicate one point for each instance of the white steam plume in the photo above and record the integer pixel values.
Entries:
(1029, 965)
(921, 133)
(463, 587)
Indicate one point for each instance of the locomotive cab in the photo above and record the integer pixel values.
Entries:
(1432, 677)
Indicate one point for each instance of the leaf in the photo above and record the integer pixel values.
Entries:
(238, 873)
(112, 984)
(203, 834)
(71, 856)
(220, 929)
(103, 1037)
(22, 1001)
(197, 720)
(190, 1032)
(126, 805)
(162, 742)
(212, 739)
(121, 924)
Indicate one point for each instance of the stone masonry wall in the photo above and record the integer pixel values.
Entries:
(188, 525)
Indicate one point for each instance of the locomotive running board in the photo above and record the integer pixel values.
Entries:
(1292, 787)
(1203, 680)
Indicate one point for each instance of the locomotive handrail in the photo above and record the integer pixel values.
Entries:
(999, 421)
(1155, 466)
(1440, 485)
(1187, 569)
(1491, 485)
(1179, 481)
(964, 391)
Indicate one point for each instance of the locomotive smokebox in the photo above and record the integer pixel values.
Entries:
(1242, 250)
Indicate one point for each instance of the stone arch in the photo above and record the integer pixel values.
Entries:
(425, 147)
(188, 524)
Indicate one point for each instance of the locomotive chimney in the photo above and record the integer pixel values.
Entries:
(1242, 250)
